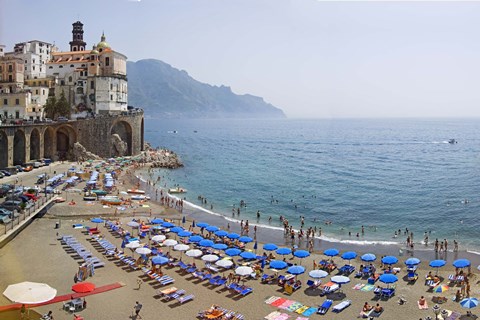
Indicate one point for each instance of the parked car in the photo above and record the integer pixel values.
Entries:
(1, 175)
(5, 212)
(62, 119)
(12, 205)
(48, 120)
(19, 168)
(28, 168)
(5, 220)
(6, 173)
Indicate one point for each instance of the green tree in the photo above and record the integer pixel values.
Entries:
(50, 107)
(63, 107)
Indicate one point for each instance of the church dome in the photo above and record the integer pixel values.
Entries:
(103, 44)
(94, 50)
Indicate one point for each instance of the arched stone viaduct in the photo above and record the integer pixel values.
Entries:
(25, 143)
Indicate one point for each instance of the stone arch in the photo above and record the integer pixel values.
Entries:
(4, 149)
(65, 139)
(49, 143)
(35, 144)
(124, 130)
(19, 147)
(142, 132)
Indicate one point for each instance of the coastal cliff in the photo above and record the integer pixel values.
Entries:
(165, 92)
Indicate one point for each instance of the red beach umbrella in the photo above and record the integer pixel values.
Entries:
(83, 287)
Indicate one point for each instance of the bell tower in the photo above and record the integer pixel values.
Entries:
(77, 43)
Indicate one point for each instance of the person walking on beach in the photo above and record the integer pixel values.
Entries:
(446, 244)
(138, 306)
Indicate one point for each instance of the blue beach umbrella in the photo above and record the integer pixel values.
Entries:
(437, 263)
(278, 264)
(202, 224)
(184, 233)
(157, 221)
(388, 278)
(461, 263)
(212, 228)
(469, 303)
(270, 246)
(206, 243)
(284, 251)
(389, 260)
(412, 261)
(195, 238)
(176, 229)
(245, 239)
(349, 255)
(220, 246)
(168, 224)
(301, 254)
(159, 260)
(248, 255)
(255, 246)
(296, 270)
(233, 236)
(233, 252)
(97, 220)
(331, 252)
(368, 257)
(221, 233)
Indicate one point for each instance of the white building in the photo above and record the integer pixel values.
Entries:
(93, 81)
(35, 54)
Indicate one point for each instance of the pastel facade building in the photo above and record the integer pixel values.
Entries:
(93, 81)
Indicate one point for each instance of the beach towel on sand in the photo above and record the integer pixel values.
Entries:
(271, 299)
(301, 318)
(278, 302)
(368, 287)
(358, 286)
(295, 306)
(286, 304)
(272, 315)
(309, 311)
(302, 310)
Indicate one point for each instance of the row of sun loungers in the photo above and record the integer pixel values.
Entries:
(81, 251)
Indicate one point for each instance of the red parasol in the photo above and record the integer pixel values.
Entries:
(83, 287)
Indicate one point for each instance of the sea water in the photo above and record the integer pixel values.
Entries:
(340, 175)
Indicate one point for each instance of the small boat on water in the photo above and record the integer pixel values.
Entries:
(140, 197)
(111, 201)
(177, 190)
(89, 196)
(452, 141)
(136, 191)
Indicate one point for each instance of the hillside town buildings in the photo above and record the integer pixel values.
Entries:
(93, 81)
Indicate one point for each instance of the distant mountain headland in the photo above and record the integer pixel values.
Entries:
(166, 92)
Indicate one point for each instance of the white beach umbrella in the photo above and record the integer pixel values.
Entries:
(224, 263)
(243, 271)
(158, 238)
(194, 253)
(181, 247)
(210, 257)
(143, 250)
(133, 224)
(30, 292)
(170, 242)
(133, 245)
(340, 279)
(316, 274)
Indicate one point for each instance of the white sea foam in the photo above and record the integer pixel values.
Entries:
(474, 252)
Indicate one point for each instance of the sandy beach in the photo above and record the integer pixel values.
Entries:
(37, 255)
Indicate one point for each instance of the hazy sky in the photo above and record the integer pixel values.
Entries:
(311, 58)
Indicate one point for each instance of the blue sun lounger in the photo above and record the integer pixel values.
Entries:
(185, 298)
(325, 306)
(214, 280)
(246, 291)
(175, 295)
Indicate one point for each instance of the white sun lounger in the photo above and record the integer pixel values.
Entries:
(342, 305)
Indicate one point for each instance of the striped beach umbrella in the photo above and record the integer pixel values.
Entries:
(469, 303)
(441, 288)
